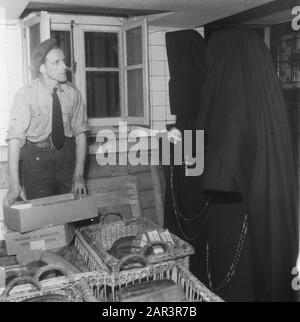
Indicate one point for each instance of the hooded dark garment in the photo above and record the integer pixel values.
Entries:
(186, 51)
(249, 153)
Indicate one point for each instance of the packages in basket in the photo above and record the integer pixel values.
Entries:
(104, 245)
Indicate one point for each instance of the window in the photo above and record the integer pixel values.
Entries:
(285, 49)
(289, 60)
(134, 71)
(135, 43)
(111, 65)
(102, 74)
(286, 53)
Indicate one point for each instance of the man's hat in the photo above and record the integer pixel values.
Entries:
(40, 53)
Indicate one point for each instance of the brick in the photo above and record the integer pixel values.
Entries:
(157, 68)
(158, 53)
(157, 37)
(159, 113)
(158, 98)
(158, 83)
(159, 125)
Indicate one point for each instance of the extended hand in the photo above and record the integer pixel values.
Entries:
(174, 135)
(13, 194)
(79, 187)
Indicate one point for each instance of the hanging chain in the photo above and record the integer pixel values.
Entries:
(178, 213)
(233, 268)
(234, 265)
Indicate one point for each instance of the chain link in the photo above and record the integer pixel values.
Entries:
(179, 214)
(233, 268)
(236, 260)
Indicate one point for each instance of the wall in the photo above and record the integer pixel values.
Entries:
(11, 79)
(11, 75)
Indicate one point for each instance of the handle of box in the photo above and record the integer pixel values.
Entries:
(49, 268)
(102, 218)
(132, 258)
(20, 281)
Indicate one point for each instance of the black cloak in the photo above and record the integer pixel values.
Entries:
(249, 152)
(186, 51)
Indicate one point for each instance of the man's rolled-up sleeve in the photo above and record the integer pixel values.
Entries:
(79, 120)
(19, 119)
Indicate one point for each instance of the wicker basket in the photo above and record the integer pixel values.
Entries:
(93, 243)
(67, 288)
(194, 290)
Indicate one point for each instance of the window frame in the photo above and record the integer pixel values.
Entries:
(58, 27)
(110, 121)
(128, 26)
(32, 19)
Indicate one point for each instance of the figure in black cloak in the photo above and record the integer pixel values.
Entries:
(186, 50)
(249, 153)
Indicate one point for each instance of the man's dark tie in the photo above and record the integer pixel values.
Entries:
(58, 134)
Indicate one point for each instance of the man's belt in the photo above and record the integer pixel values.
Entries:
(47, 144)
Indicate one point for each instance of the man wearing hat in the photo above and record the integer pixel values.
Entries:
(48, 125)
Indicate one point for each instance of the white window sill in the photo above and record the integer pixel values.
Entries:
(100, 137)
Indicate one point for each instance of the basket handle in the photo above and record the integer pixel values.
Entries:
(19, 281)
(49, 268)
(166, 247)
(102, 218)
(132, 258)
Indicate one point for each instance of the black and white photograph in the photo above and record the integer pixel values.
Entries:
(149, 154)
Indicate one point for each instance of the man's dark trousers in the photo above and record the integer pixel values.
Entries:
(48, 171)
